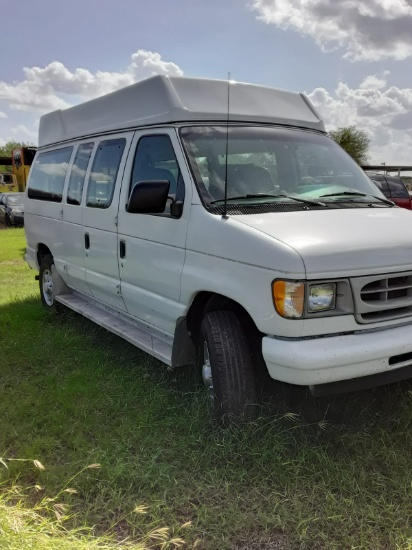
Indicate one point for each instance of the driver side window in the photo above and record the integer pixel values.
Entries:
(155, 160)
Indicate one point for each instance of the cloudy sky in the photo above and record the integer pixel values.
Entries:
(352, 57)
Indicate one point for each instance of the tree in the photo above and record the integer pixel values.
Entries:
(355, 142)
(6, 151)
(7, 148)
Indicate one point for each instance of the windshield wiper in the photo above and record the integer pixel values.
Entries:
(250, 196)
(263, 195)
(357, 193)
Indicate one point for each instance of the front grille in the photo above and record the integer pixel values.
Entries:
(380, 298)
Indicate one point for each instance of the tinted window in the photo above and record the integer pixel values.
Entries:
(155, 160)
(48, 173)
(397, 187)
(104, 173)
(381, 184)
(28, 156)
(78, 173)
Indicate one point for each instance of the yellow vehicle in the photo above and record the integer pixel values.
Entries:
(15, 179)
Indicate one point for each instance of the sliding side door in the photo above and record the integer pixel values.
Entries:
(99, 219)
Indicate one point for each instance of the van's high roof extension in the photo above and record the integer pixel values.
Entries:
(163, 99)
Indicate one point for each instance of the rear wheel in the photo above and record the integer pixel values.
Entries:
(51, 284)
(227, 368)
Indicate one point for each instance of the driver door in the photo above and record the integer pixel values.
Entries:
(152, 246)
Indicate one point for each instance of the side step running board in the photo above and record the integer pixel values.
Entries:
(149, 342)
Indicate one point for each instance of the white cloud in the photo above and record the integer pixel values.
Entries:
(21, 130)
(43, 88)
(19, 133)
(375, 82)
(29, 95)
(3, 115)
(369, 30)
(386, 116)
(145, 64)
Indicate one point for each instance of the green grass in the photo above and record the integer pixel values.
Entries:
(329, 473)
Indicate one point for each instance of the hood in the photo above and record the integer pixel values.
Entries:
(342, 242)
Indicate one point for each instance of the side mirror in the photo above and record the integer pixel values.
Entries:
(176, 208)
(148, 197)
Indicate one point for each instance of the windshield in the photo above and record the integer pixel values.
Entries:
(267, 163)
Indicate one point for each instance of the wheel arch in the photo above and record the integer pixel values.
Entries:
(187, 333)
(42, 251)
(205, 302)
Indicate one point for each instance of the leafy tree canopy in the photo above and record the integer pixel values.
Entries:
(7, 148)
(355, 142)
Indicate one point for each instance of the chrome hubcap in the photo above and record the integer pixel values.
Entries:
(207, 370)
(48, 287)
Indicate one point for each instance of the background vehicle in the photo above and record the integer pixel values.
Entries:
(13, 208)
(393, 188)
(2, 207)
(8, 181)
(20, 162)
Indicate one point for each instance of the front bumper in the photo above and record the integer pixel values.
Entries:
(17, 218)
(309, 362)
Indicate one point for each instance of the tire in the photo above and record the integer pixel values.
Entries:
(51, 284)
(8, 220)
(227, 368)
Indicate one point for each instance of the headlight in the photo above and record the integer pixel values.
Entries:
(289, 298)
(321, 297)
(296, 300)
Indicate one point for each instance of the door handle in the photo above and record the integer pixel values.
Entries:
(122, 249)
(87, 241)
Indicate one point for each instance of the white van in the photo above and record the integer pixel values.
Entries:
(217, 222)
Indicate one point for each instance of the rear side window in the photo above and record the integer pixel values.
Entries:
(78, 173)
(397, 187)
(48, 173)
(104, 173)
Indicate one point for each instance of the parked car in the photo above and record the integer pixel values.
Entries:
(2, 207)
(393, 188)
(13, 208)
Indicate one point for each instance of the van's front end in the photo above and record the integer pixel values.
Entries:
(350, 317)
(302, 240)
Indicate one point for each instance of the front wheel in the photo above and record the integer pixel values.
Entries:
(227, 368)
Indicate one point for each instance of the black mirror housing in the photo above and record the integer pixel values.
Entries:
(148, 197)
(176, 209)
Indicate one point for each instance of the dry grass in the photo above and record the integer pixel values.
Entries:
(33, 521)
